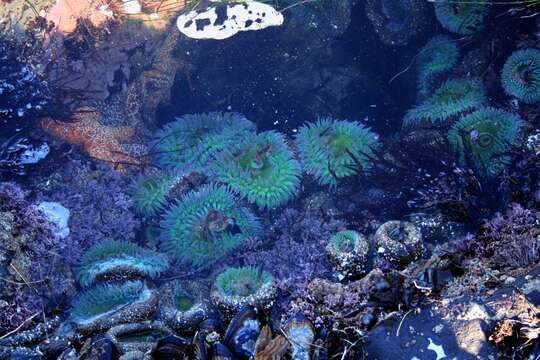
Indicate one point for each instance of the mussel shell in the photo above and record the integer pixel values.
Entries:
(211, 325)
(220, 352)
(199, 347)
(301, 334)
(243, 332)
(99, 348)
(172, 347)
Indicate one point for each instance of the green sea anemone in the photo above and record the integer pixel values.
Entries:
(333, 149)
(242, 281)
(119, 257)
(262, 170)
(238, 287)
(348, 252)
(150, 193)
(193, 140)
(436, 59)
(345, 240)
(107, 299)
(205, 225)
(462, 17)
(521, 75)
(483, 138)
(453, 98)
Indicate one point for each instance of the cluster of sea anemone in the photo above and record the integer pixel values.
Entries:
(480, 136)
(194, 140)
(115, 274)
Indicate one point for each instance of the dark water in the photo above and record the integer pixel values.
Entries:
(160, 192)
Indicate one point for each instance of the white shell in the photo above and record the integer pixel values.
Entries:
(245, 16)
(132, 7)
(57, 214)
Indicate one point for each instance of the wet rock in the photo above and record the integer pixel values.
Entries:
(32, 336)
(435, 228)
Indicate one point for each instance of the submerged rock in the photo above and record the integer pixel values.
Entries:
(399, 22)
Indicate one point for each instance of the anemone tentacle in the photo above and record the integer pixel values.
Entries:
(332, 149)
(205, 225)
(150, 193)
(437, 58)
(483, 138)
(193, 140)
(521, 75)
(242, 281)
(263, 170)
(462, 17)
(111, 254)
(107, 298)
(453, 98)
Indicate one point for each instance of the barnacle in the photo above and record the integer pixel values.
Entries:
(436, 58)
(112, 257)
(483, 138)
(454, 97)
(107, 299)
(205, 225)
(462, 17)
(521, 75)
(262, 170)
(333, 149)
(194, 140)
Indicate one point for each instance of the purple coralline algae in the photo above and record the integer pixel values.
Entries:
(34, 271)
(509, 240)
(99, 205)
(294, 250)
